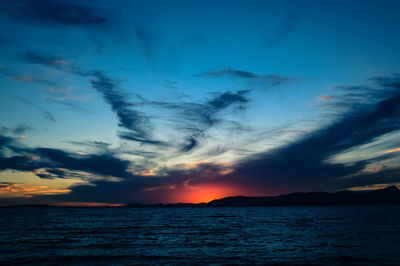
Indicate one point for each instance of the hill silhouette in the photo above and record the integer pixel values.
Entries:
(389, 196)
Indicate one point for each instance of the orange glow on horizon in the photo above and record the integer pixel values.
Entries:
(202, 193)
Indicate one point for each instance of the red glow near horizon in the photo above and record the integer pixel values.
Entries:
(202, 193)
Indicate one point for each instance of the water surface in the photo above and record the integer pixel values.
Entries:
(353, 235)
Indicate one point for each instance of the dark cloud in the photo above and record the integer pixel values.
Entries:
(207, 113)
(389, 82)
(126, 191)
(142, 189)
(54, 160)
(141, 153)
(4, 141)
(16, 130)
(268, 79)
(52, 173)
(102, 164)
(194, 119)
(385, 176)
(116, 98)
(96, 145)
(190, 143)
(133, 120)
(304, 163)
(52, 12)
(20, 163)
(132, 136)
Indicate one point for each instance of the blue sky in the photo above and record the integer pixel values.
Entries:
(166, 101)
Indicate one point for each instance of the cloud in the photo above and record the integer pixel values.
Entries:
(135, 121)
(52, 12)
(101, 164)
(285, 27)
(55, 61)
(16, 130)
(207, 113)
(146, 39)
(71, 106)
(52, 173)
(132, 136)
(116, 98)
(96, 145)
(59, 95)
(58, 163)
(268, 79)
(190, 143)
(305, 163)
(28, 191)
(24, 77)
(46, 114)
(326, 97)
(192, 118)
(145, 188)
(392, 150)
(195, 119)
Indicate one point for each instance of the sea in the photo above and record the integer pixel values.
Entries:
(323, 235)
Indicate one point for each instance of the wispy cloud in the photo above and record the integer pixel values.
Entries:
(286, 26)
(60, 164)
(46, 114)
(18, 130)
(24, 77)
(195, 119)
(268, 79)
(305, 162)
(146, 40)
(133, 120)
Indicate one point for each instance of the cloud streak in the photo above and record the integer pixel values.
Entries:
(196, 118)
(46, 114)
(58, 163)
(268, 79)
(133, 120)
(305, 162)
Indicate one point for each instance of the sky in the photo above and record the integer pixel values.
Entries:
(116, 102)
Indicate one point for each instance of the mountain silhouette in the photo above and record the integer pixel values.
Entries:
(389, 195)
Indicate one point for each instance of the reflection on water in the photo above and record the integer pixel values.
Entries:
(360, 235)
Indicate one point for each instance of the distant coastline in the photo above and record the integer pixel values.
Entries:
(387, 196)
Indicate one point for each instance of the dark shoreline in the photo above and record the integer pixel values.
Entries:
(387, 196)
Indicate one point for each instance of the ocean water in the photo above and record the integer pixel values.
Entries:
(325, 235)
